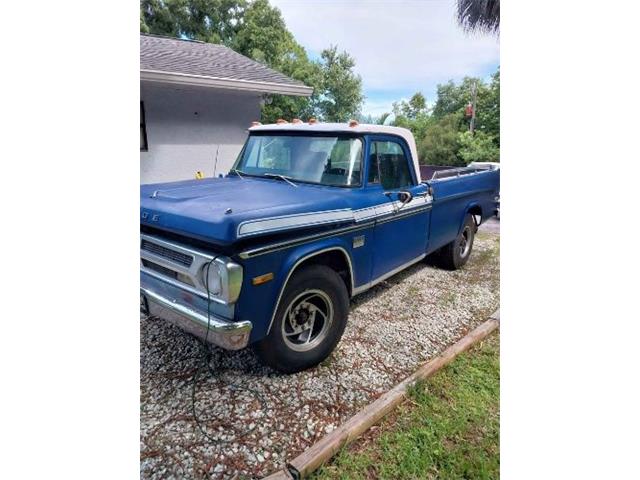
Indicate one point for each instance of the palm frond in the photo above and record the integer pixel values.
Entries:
(479, 15)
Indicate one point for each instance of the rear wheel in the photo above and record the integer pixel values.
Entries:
(309, 322)
(455, 254)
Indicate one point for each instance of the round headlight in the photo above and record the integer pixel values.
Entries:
(212, 278)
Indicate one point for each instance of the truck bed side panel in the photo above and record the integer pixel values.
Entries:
(454, 197)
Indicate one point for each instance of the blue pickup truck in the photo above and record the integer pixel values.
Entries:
(310, 215)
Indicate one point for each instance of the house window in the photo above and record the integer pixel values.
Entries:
(143, 130)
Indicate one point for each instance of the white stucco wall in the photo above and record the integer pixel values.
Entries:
(185, 126)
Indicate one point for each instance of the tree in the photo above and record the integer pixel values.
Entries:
(488, 110)
(478, 147)
(453, 98)
(479, 15)
(417, 105)
(264, 37)
(256, 29)
(214, 21)
(341, 96)
(440, 143)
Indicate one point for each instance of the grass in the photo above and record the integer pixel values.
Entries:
(448, 428)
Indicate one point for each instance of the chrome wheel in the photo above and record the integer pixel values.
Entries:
(465, 242)
(307, 320)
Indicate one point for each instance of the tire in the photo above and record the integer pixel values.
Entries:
(455, 254)
(314, 297)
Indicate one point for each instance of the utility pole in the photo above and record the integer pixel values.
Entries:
(474, 98)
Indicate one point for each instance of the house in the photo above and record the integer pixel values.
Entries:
(197, 101)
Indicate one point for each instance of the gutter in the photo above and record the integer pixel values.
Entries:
(224, 83)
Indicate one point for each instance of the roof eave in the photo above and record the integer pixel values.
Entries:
(224, 83)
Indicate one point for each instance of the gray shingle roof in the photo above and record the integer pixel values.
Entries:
(186, 57)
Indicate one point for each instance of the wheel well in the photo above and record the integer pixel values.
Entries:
(334, 259)
(476, 211)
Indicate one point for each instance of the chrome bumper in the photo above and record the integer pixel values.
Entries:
(225, 334)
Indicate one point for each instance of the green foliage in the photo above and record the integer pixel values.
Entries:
(477, 148)
(449, 429)
(442, 133)
(416, 106)
(214, 21)
(453, 98)
(341, 94)
(440, 143)
(263, 35)
(256, 29)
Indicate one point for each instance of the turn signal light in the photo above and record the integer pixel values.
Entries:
(259, 280)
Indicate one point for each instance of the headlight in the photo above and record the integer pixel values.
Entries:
(223, 278)
(213, 278)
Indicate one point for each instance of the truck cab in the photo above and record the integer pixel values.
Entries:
(310, 215)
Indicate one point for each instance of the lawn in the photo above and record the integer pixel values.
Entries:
(448, 428)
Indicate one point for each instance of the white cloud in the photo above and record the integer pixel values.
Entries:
(397, 44)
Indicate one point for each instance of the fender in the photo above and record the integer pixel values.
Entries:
(305, 252)
(470, 206)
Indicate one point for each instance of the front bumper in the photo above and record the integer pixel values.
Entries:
(221, 332)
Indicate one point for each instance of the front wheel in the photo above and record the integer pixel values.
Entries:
(455, 254)
(309, 322)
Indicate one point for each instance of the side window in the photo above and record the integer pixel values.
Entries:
(143, 130)
(374, 172)
(389, 166)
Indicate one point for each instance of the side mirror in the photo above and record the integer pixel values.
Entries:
(405, 197)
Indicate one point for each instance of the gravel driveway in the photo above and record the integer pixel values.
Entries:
(260, 418)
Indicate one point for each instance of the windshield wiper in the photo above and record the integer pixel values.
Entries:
(281, 177)
(240, 173)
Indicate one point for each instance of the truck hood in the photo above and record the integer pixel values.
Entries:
(221, 210)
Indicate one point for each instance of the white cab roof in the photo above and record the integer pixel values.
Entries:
(343, 127)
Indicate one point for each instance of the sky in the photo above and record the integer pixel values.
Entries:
(400, 46)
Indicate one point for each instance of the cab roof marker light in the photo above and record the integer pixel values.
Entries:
(256, 124)
(296, 121)
(353, 123)
(312, 121)
(281, 121)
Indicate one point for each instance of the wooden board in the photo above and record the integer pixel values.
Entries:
(330, 444)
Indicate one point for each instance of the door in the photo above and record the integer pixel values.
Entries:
(401, 228)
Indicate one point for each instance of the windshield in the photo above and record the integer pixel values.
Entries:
(327, 160)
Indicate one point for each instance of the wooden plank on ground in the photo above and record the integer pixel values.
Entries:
(312, 458)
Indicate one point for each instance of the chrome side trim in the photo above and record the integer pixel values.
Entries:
(387, 214)
(226, 334)
(265, 225)
(402, 214)
(390, 273)
(295, 265)
(301, 241)
(300, 220)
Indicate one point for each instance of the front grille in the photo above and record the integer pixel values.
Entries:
(160, 269)
(176, 257)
